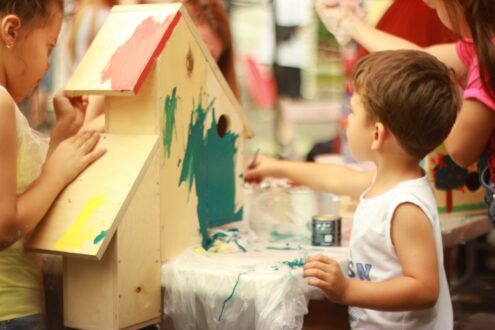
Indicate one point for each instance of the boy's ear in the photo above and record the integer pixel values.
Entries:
(379, 135)
(9, 30)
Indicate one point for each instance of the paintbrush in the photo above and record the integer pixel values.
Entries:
(255, 158)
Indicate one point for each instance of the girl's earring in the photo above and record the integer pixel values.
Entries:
(9, 45)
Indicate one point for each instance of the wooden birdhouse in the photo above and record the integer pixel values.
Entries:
(456, 189)
(174, 134)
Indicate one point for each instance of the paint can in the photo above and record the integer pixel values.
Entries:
(326, 230)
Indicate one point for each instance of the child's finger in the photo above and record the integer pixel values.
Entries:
(90, 143)
(319, 257)
(315, 282)
(82, 137)
(252, 176)
(94, 155)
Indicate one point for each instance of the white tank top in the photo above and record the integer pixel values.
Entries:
(373, 257)
(20, 280)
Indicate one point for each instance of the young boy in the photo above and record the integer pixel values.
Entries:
(404, 105)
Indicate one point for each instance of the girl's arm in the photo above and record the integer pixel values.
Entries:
(8, 200)
(334, 178)
(418, 288)
(375, 40)
(20, 214)
(471, 131)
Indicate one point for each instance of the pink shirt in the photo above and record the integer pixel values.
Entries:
(474, 88)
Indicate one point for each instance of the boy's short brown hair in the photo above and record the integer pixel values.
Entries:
(412, 94)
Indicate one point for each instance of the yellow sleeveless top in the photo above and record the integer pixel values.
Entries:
(20, 276)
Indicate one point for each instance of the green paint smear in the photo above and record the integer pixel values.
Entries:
(210, 162)
(288, 248)
(467, 207)
(100, 237)
(296, 263)
(230, 296)
(242, 248)
(277, 236)
(169, 112)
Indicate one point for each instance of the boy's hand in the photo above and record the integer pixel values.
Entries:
(337, 16)
(70, 112)
(72, 156)
(325, 273)
(260, 168)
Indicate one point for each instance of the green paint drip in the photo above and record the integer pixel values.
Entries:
(296, 263)
(288, 248)
(242, 248)
(209, 161)
(169, 112)
(277, 236)
(230, 295)
(100, 237)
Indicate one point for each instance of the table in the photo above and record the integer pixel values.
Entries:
(286, 288)
(263, 288)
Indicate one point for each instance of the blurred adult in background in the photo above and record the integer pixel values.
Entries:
(212, 22)
(412, 20)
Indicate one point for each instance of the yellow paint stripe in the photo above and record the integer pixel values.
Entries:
(80, 232)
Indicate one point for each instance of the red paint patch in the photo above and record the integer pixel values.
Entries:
(131, 62)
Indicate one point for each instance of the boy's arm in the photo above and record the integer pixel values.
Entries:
(418, 288)
(334, 178)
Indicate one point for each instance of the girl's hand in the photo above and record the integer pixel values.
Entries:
(338, 15)
(325, 273)
(260, 168)
(72, 156)
(70, 113)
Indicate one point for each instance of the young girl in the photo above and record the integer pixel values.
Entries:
(472, 59)
(28, 32)
(473, 56)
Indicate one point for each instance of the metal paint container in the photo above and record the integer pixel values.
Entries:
(326, 230)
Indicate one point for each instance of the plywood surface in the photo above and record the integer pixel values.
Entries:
(124, 50)
(201, 172)
(86, 214)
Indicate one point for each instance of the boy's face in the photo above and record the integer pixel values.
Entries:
(359, 130)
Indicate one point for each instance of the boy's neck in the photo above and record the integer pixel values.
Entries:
(393, 170)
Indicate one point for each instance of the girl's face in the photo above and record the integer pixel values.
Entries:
(29, 55)
(359, 130)
(443, 14)
(211, 40)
